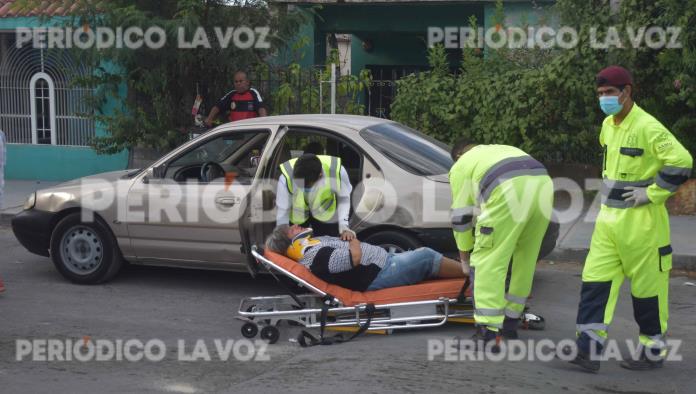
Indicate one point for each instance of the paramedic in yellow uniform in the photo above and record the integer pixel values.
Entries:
(511, 195)
(643, 166)
(314, 191)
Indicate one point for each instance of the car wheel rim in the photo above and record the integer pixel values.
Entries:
(81, 250)
(391, 248)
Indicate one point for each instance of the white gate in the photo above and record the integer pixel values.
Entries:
(38, 102)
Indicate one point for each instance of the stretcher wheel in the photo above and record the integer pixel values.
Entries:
(270, 334)
(249, 330)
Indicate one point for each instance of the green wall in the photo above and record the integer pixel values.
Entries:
(55, 162)
(58, 163)
(398, 32)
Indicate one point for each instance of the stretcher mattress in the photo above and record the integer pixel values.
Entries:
(424, 291)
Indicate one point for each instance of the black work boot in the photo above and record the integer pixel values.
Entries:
(484, 336)
(509, 330)
(584, 360)
(645, 361)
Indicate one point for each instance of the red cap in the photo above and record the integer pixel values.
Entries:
(614, 76)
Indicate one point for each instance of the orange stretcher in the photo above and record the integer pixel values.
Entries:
(426, 304)
(328, 306)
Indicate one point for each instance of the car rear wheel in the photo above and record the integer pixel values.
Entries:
(85, 253)
(394, 241)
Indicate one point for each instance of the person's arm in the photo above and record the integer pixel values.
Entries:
(282, 202)
(259, 104)
(676, 165)
(221, 105)
(212, 115)
(355, 252)
(464, 260)
(463, 208)
(329, 260)
(343, 207)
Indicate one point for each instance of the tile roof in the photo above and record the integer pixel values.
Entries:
(46, 8)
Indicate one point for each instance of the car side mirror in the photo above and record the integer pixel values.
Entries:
(159, 171)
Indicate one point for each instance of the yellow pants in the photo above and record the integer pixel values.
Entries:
(628, 243)
(511, 225)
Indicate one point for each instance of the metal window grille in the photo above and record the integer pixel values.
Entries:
(19, 67)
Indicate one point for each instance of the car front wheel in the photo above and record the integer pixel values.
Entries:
(85, 252)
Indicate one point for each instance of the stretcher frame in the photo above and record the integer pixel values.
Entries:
(306, 309)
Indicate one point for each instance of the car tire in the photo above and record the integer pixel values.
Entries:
(394, 241)
(85, 253)
(548, 244)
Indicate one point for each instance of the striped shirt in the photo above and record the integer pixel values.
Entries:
(331, 261)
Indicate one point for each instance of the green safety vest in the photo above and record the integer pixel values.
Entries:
(323, 206)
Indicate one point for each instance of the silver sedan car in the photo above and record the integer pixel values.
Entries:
(206, 203)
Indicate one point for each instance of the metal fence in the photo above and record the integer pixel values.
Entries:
(19, 67)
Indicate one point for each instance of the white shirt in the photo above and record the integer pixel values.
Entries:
(284, 204)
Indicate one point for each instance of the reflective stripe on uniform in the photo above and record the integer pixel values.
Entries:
(488, 312)
(657, 342)
(326, 204)
(670, 178)
(516, 299)
(333, 174)
(462, 218)
(612, 192)
(462, 227)
(288, 178)
(591, 327)
(512, 314)
(596, 337)
(507, 169)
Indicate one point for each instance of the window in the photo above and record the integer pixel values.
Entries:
(237, 152)
(43, 116)
(298, 142)
(39, 101)
(411, 150)
(43, 111)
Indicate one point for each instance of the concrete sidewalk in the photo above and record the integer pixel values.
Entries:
(573, 241)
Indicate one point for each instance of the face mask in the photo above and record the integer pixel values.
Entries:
(610, 105)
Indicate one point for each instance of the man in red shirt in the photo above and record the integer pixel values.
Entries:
(242, 103)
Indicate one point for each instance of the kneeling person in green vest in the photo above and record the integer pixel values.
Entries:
(314, 191)
(511, 195)
(358, 265)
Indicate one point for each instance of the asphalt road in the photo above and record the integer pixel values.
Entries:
(173, 305)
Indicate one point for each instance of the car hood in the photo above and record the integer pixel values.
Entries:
(72, 193)
(110, 176)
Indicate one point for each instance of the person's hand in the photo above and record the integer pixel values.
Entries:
(464, 260)
(348, 235)
(637, 195)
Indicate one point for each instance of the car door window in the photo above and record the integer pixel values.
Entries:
(235, 153)
(297, 142)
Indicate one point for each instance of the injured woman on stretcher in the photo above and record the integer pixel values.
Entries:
(360, 266)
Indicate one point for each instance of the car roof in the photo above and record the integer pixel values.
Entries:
(356, 122)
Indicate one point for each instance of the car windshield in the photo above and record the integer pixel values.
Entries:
(411, 150)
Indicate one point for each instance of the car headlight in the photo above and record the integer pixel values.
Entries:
(31, 201)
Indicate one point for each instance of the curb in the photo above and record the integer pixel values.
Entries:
(679, 261)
